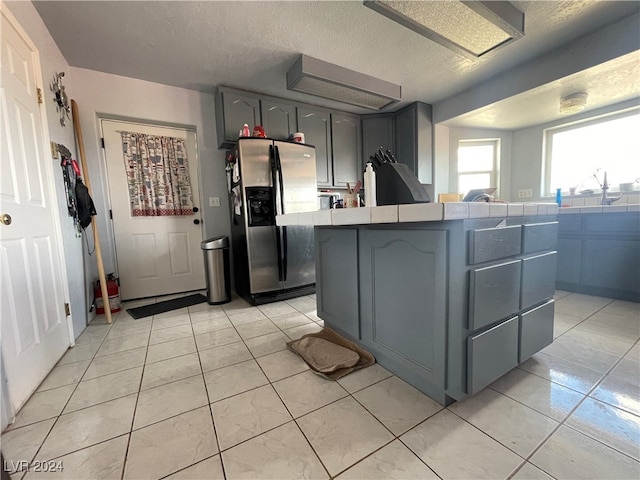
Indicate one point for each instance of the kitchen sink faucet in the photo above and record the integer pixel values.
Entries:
(607, 200)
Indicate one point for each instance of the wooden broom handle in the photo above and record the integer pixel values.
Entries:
(96, 238)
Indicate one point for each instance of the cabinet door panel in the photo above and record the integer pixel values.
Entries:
(278, 119)
(345, 135)
(337, 258)
(405, 135)
(611, 263)
(569, 259)
(238, 110)
(402, 293)
(316, 126)
(376, 132)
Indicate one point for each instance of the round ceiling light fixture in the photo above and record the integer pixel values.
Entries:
(574, 103)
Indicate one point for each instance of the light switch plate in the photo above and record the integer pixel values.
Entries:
(214, 201)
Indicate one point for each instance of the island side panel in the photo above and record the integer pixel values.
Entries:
(403, 290)
(337, 279)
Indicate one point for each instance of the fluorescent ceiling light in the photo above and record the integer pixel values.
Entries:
(326, 80)
(470, 28)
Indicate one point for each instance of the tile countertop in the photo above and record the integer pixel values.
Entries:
(621, 208)
(419, 212)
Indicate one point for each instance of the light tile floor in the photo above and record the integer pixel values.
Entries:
(212, 392)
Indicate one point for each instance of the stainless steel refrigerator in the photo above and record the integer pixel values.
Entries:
(267, 178)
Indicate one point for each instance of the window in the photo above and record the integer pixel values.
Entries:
(477, 164)
(578, 155)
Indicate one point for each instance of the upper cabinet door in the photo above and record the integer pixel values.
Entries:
(237, 109)
(377, 132)
(406, 137)
(278, 119)
(346, 137)
(316, 126)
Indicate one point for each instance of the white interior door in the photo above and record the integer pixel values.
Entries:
(155, 255)
(34, 331)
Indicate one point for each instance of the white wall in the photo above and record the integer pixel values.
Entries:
(527, 151)
(52, 62)
(102, 95)
(457, 134)
(441, 155)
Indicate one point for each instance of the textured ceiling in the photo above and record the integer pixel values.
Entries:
(251, 45)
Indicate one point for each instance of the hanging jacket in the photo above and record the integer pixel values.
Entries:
(85, 206)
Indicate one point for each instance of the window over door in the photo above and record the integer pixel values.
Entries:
(579, 154)
(478, 162)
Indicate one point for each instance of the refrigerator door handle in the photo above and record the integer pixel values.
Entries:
(284, 229)
(272, 161)
(274, 180)
(280, 180)
(284, 257)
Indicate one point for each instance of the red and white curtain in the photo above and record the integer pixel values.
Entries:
(157, 175)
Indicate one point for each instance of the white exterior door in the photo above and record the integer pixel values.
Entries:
(155, 255)
(34, 328)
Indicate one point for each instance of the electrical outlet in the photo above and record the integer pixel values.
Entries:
(526, 193)
(214, 201)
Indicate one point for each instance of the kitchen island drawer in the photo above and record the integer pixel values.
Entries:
(494, 243)
(538, 279)
(536, 330)
(494, 293)
(491, 354)
(539, 236)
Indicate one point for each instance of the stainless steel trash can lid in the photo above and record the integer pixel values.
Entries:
(216, 242)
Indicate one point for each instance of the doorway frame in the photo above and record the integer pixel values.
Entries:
(99, 117)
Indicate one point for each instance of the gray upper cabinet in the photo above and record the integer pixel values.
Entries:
(233, 110)
(316, 125)
(278, 118)
(345, 136)
(377, 132)
(414, 139)
(405, 134)
(408, 133)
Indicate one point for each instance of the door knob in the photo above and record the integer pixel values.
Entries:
(196, 221)
(5, 219)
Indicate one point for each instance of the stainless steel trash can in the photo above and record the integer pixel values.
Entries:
(217, 269)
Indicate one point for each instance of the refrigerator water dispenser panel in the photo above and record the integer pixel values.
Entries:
(260, 206)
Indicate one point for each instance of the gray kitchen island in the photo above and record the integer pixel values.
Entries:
(448, 297)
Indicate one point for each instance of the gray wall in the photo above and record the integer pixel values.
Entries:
(528, 156)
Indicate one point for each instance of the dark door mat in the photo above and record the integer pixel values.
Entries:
(166, 306)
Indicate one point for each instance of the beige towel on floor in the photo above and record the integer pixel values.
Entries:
(330, 354)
